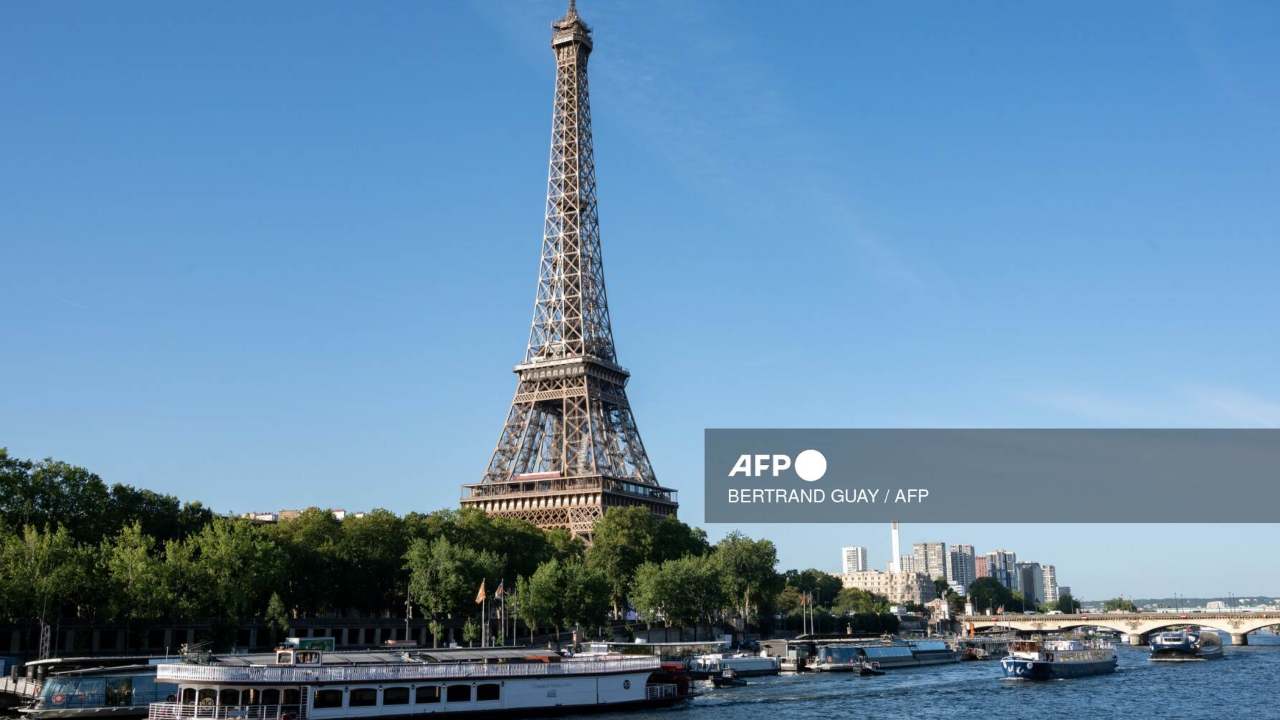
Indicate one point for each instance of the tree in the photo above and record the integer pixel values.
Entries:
(684, 592)
(747, 571)
(232, 567)
(564, 594)
(822, 586)
(51, 493)
(585, 594)
(1119, 604)
(537, 597)
(44, 571)
(941, 587)
(623, 540)
(470, 632)
(855, 601)
(444, 577)
(673, 539)
(277, 616)
(310, 543)
(988, 594)
(1067, 604)
(370, 550)
(140, 584)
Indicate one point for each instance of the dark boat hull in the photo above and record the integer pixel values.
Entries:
(1018, 669)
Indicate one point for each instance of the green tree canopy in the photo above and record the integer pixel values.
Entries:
(684, 592)
(747, 572)
(855, 601)
(1119, 604)
(444, 577)
(822, 586)
(988, 594)
(141, 586)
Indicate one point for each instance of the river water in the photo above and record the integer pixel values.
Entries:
(1244, 684)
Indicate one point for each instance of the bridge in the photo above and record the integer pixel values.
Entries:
(1136, 625)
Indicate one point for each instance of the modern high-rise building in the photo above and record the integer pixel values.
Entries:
(981, 567)
(906, 564)
(1030, 583)
(930, 558)
(896, 548)
(853, 559)
(1001, 566)
(961, 566)
(1050, 583)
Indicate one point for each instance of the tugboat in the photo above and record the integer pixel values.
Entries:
(1058, 659)
(728, 678)
(1191, 644)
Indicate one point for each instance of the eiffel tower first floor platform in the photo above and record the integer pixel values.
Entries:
(573, 503)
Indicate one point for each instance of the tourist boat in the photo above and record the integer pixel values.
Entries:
(1184, 645)
(102, 692)
(294, 684)
(885, 656)
(742, 665)
(1058, 659)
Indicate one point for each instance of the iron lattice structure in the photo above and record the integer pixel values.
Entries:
(570, 448)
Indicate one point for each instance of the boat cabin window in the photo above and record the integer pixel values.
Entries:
(271, 696)
(307, 657)
(188, 696)
(458, 693)
(292, 696)
(427, 694)
(395, 696)
(487, 691)
(329, 698)
(229, 697)
(363, 697)
(208, 696)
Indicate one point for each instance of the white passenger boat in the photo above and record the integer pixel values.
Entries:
(842, 657)
(742, 665)
(298, 684)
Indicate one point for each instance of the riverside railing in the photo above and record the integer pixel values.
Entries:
(293, 674)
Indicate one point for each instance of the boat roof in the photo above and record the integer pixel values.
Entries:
(384, 657)
(97, 660)
(104, 670)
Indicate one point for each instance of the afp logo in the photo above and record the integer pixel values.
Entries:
(809, 465)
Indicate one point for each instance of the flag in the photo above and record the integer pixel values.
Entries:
(480, 596)
(500, 591)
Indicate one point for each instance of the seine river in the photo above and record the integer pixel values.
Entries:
(1244, 684)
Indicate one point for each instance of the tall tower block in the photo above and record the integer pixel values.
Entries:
(895, 562)
(569, 449)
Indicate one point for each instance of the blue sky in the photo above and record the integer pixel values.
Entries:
(280, 255)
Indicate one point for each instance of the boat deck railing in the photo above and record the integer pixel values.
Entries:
(290, 674)
(190, 711)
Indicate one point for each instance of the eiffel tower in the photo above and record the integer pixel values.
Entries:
(570, 449)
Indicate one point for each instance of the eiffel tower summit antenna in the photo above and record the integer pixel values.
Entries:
(569, 449)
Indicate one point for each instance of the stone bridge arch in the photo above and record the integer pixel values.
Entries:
(1138, 626)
